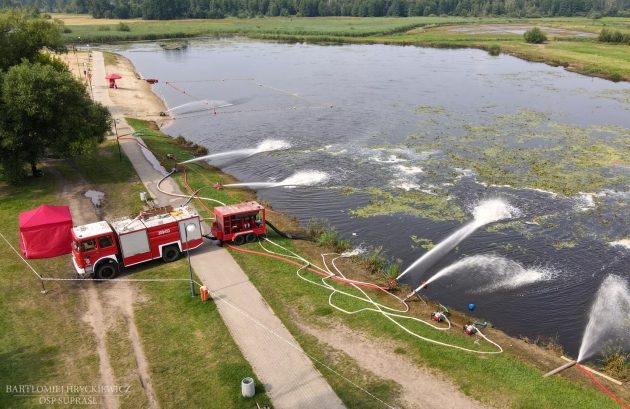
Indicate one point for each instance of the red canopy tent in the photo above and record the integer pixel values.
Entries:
(45, 231)
(112, 79)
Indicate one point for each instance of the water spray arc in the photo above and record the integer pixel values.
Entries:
(609, 320)
(267, 145)
(198, 106)
(501, 273)
(488, 211)
(301, 178)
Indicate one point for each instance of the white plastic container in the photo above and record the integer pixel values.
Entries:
(248, 387)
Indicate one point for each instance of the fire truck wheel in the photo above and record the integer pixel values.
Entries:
(238, 240)
(170, 254)
(106, 271)
(250, 238)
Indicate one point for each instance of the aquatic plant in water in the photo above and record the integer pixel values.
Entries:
(430, 206)
(528, 150)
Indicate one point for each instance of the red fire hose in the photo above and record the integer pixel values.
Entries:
(312, 270)
(602, 387)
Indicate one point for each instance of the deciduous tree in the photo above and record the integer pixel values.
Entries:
(45, 110)
(22, 37)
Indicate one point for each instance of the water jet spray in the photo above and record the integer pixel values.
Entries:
(607, 318)
(267, 145)
(488, 211)
(301, 178)
(606, 322)
(200, 105)
(500, 273)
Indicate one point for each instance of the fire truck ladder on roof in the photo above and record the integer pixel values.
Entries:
(156, 211)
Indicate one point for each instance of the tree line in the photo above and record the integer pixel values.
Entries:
(201, 9)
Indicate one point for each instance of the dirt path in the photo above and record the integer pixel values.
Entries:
(83, 212)
(105, 302)
(122, 299)
(420, 388)
(94, 316)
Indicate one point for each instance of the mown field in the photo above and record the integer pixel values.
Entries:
(512, 379)
(45, 339)
(568, 46)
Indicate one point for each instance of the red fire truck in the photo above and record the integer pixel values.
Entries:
(239, 223)
(102, 248)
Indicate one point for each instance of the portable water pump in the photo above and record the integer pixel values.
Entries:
(470, 329)
(438, 316)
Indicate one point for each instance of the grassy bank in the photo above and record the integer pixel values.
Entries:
(569, 47)
(512, 379)
(194, 361)
(45, 340)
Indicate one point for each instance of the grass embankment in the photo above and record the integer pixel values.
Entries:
(45, 341)
(578, 53)
(498, 380)
(194, 361)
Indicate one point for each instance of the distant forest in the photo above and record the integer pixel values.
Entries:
(176, 9)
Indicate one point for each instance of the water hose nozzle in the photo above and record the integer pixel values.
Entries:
(410, 295)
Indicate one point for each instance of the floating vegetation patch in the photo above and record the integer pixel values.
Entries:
(546, 221)
(436, 207)
(525, 117)
(512, 226)
(425, 243)
(511, 248)
(619, 95)
(431, 109)
(528, 150)
(564, 244)
(348, 190)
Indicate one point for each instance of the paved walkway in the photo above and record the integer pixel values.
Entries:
(279, 362)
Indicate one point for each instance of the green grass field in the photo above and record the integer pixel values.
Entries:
(504, 380)
(45, 340)
(581, 54)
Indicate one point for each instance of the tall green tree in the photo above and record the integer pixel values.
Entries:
(22, 37)
(45, 110)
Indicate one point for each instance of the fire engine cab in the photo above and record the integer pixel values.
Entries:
(102, 248)
(239, 223)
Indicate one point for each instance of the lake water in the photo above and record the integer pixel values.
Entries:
(412, 139)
